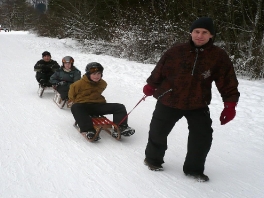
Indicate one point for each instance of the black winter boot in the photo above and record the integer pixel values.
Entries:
(199, 177)
(91, 133)
(125, 130)
(153, 167)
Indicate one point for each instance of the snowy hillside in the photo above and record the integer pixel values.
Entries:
(43, 156)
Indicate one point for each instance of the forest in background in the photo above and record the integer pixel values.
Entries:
(142, 30)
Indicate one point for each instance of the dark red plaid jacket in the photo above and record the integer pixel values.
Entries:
(183, 76)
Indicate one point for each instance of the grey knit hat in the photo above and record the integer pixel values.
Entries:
(203, 22)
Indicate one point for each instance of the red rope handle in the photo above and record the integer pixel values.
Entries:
(143, 98)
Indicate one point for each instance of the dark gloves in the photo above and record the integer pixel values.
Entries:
(61, 83)
(228, 113)
(54, 87)
(148, 90)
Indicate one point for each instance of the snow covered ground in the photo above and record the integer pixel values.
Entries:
(42, 155)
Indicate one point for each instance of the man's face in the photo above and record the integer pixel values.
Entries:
(200, 36)
(46, 58)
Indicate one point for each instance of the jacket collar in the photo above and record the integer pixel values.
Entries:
(205, 46)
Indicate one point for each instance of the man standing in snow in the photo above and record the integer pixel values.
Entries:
(182, 82)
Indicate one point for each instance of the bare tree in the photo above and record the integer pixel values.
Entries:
(141, 30)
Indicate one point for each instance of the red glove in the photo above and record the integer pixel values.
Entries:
(148, 90)
(228, 113)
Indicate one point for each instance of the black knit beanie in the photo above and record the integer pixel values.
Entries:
(46, 53)
(203, 22)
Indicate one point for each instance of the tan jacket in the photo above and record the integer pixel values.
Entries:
(86, 91)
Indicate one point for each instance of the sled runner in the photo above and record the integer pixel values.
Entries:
(42, 89)
(59, 102)
(107, 126)
(84, 134)
(102, 123)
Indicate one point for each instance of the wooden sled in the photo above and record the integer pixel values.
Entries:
(98, 130)
(59, 102)
(101, 123)
(42, 89)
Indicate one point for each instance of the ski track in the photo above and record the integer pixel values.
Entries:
(42, 154)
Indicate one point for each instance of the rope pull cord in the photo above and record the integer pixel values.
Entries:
(143, 98)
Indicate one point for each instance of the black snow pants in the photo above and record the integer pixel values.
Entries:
(82, 111)
(199, 139)
(63, 91)
(44, 77)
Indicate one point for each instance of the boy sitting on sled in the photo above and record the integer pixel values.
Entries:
(86, 95)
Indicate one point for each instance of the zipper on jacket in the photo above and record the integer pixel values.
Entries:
(194, 64)
(164, 93)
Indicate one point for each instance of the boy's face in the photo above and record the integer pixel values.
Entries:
(67, 65)
(200, 36)
(96, 76)
(46, 58)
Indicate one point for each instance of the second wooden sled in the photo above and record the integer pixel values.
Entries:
(101, 123)
(59, 102)
(42, 89)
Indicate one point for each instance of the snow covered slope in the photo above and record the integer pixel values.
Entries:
(42, 155)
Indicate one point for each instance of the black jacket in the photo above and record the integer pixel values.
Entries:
(46, 67)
